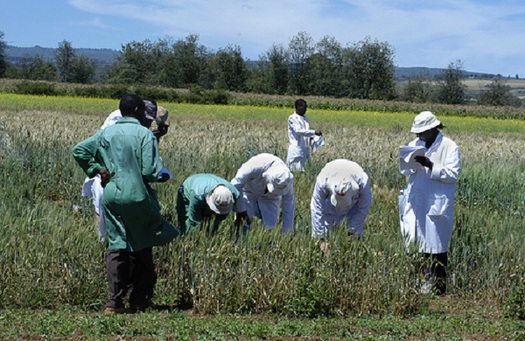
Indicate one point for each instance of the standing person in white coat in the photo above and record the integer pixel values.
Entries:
(264, 181)
(299, 137)
(342, 190)
(432, 165)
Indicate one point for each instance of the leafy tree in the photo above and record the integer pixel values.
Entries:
(3, 58)
(64, 57)
(451, 89)
(498, 93)
(271, 74)
(300, 49)
(38, 68)
(324, 68)
(184, 63)
(320, 77)
(227, 69)
(418, 89)
(82, 70)
(370, 70)
(135, 64)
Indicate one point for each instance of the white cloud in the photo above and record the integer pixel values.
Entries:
(421, 32)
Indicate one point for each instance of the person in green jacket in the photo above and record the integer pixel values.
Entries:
(202, 196)
(126, 156)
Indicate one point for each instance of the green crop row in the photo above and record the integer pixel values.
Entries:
(50, 254)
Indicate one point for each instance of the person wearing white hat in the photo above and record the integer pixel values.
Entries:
(264, 181)
(342, 190)
(204, 196)
(300, 137)
(426, 205)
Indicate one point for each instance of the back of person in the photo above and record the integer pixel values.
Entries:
(119, 143)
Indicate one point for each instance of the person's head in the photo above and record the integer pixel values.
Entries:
(162, 116)
(278, 179)
(132, 106)
(220, 200)
(300, 107)
(150, 112)
(342, 191)
(426, 126)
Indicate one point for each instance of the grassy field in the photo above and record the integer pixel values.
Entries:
(53, 282)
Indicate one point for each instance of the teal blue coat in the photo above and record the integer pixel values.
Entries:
(196, 210)
(129, 152)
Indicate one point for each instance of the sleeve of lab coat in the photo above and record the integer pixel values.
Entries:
(295, 125)
(243, 175)
(84, 153)
(356, 221)
(151, 162)
(194, 215)
(317, 209)
(447, 170)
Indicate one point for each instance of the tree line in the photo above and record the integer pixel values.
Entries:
(362, 70)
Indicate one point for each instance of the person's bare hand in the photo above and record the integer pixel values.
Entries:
(241, 218)
(424, 161)
(324, 246)
(104, 176)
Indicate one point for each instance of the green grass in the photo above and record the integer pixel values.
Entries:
(440, 320)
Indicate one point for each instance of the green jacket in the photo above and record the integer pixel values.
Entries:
(130, 153)
(195, 209)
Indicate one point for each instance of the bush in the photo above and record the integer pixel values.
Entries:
(36, 88)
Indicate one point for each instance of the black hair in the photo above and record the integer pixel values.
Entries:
(300, 103)
(129, 104)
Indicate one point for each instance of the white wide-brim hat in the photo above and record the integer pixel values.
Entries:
(343, 191)
(424, 121)
(220, 200)
(279, 179)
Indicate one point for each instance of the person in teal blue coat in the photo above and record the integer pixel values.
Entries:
(126, 156)
(204, 196)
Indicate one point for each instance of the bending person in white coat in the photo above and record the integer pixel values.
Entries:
(299, 136)
(263, 182)
(342, 190)
(427, 203)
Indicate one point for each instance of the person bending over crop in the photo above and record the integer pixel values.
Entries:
(204, 196)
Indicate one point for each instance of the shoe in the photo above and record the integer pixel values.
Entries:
(427, 287)
(114, 311)
(134, 308)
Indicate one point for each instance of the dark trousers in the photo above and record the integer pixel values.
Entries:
(132, 272)
(180, 207)
(436, 268)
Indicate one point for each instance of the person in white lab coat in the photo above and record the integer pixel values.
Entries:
(342, 190)
(299, 136)
(264, 181)
(426, 205)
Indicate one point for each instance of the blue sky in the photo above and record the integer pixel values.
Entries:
(486, 35)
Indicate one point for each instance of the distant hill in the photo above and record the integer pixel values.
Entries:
(104, 57)
(100, 56)
(401, 73)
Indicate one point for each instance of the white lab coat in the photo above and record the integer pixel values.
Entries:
(254, 197)
(299, 135)
(92, 187)
(426, 205)
(324, 215)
